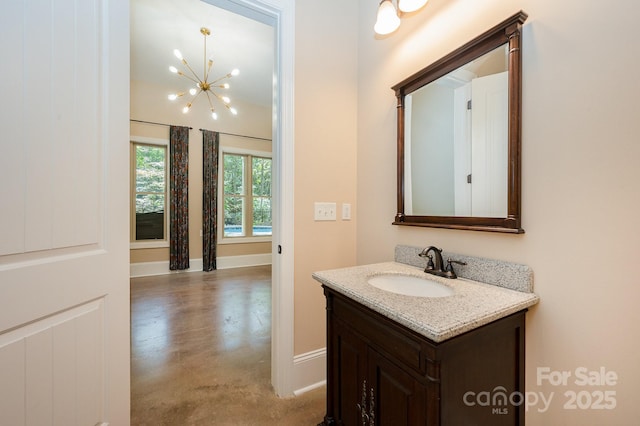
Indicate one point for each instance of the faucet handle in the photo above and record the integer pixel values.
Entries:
(430, 264)
(449, 270)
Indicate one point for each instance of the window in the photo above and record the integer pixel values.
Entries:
(149, 193)
(247, 195)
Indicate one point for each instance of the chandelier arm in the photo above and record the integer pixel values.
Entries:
(189, 78)
(196, 95)
(209, 99)
(192, 72)
(221, 78)
(227, 105)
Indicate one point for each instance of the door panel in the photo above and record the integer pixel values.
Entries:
(398, 398)
(64, 288)
(489, 145)
(350, 365)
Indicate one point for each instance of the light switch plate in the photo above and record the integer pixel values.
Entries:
(346, 211)
(324, 211)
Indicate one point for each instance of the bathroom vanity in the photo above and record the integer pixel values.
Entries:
(394, 359)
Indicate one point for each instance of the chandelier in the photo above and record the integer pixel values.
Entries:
(203, 85)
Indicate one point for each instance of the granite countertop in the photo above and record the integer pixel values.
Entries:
(474, 304)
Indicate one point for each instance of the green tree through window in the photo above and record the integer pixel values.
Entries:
(150, 192)
(261, 185)
(247, 195)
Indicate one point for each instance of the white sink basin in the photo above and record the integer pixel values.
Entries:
(410, 285)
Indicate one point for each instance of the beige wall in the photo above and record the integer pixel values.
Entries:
(581, 194)
(149, 103)
(325, 153)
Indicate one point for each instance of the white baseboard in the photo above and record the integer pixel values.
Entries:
(228, 262)
(147, 269)
(309, 371)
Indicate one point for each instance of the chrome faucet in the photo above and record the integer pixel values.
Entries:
(436, 268)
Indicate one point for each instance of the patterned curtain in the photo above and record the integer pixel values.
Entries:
(210, 146)
(179, 198)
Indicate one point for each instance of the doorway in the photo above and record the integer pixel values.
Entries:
(280, 14)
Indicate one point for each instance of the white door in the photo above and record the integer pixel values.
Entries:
(462, 150)
(489, 145)
(64, 288)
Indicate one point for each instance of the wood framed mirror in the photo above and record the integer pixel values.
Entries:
(459, 136)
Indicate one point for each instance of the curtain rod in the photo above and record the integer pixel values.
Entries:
(153, 122)
(242, 136)
(191, 128)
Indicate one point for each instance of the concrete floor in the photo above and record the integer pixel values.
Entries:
(201, 352)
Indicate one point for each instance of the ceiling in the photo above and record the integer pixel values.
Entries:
(160, 26)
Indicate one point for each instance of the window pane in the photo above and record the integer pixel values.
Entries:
(150, 217)
(261, 216)
(150, 164)
(233, 224)
(261, 176)
(233, 174)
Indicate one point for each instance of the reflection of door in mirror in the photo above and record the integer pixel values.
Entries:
(489, 145)
(481, 147)
(456, 143)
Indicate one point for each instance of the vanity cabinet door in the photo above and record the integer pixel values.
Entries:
(369, 389)
(349, 371)
(395, 397)
(365, 385)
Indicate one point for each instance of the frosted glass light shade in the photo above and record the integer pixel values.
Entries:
(387, 20)
(411, 5)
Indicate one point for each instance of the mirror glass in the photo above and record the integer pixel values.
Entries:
(456, 142)
(459, 136)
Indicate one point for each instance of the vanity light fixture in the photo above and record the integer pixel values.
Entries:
(388, 18)
(202, 85)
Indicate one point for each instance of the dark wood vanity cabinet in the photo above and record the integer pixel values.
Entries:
(381, 373)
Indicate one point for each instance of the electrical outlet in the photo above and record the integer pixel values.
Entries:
(324, 211)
